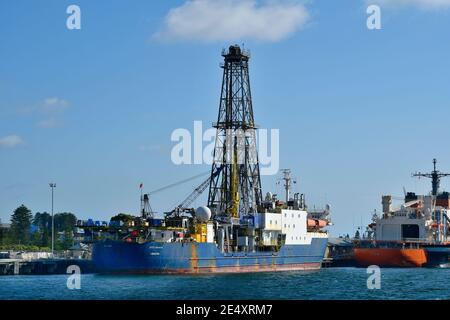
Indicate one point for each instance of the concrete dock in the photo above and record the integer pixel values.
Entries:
(43, 266)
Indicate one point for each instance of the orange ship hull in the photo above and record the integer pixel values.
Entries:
(390, 257)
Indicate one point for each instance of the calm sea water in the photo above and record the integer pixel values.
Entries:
(333, 283)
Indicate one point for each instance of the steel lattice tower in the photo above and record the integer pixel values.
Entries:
(235, 185)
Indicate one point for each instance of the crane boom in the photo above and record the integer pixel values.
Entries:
(175, 184)
(183, 206)
(195, 194)
(198, 191)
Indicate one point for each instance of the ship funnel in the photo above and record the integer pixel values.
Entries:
(386, 202)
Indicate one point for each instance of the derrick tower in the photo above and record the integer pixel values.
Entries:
(235, 185)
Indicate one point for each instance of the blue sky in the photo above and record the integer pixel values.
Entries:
(93, 109)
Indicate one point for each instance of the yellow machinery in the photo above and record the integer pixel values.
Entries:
(200, 232)
(235, 197)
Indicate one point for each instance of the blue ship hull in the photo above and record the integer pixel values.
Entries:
(438, 255)
(199, 258)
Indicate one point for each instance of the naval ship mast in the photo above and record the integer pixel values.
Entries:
(435, 176)
(235, 185)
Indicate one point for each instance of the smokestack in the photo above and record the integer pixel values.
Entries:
(386, 202)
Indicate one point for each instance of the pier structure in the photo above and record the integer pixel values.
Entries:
(42, 266)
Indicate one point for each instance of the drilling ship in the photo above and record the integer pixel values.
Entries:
(414, 234)
(237, 230)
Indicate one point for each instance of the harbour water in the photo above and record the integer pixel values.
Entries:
(325, 284)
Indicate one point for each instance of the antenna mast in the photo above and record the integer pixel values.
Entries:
(287, 183)
(435, 176)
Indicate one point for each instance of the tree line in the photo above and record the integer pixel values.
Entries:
(28, 230)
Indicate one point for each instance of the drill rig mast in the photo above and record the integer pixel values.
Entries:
(236, 190)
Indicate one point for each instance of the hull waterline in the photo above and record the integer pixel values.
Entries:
(116, 257)
(390, 257)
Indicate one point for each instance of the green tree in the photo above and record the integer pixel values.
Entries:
(65, 224)
(65, 221)
(4, 235)
(43, 221)
(122, 217)
(20, 225)
(65, 241)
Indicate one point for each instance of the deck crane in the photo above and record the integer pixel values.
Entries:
(184, 205)
(146, 210)
(175, 184)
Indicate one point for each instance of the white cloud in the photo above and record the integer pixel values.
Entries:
(423, 4)
(232, 20)
(51, 109)
(48, 123)
(47, 105)
(10, 141)
(53, 105)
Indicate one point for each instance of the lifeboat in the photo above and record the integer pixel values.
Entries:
(315, 223)
(436, 225)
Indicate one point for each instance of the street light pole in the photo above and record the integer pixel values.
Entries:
(53, 186)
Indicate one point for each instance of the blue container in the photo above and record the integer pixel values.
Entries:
(114, 223)
(257, 221)
(156, 222)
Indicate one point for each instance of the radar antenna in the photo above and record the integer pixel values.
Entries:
(435, 176)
